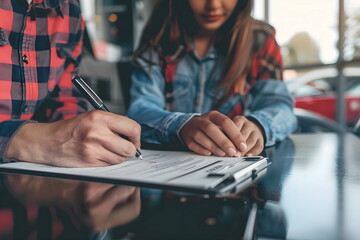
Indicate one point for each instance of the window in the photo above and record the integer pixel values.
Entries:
(308, 33)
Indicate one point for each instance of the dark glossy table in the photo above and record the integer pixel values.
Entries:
(311, 191)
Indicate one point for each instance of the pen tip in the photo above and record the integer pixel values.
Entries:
(138, 154)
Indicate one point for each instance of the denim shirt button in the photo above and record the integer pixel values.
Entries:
(212, 55)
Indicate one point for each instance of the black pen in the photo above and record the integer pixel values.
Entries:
(96, 102)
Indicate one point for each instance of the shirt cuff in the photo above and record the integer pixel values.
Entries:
(172, 125)
(7, 130)
(189, 117)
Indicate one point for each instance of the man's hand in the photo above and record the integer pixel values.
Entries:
(252, 134)
(87, 140)
(97, 205)
(105, 206)
(213, 133)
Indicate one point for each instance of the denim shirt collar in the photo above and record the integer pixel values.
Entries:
(211, 54)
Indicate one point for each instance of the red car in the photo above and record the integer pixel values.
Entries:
(315, 91)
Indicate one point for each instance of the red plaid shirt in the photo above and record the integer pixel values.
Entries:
(40, 46)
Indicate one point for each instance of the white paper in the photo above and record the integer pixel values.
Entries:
(170, 168)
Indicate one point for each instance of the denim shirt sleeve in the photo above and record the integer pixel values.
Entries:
(147, 107)
(271, 105)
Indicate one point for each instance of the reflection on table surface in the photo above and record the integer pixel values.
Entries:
(310, 191)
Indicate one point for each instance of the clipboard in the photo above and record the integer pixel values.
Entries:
(168, 170)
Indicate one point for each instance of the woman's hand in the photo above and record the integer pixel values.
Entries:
(252, 134)
(213, 133)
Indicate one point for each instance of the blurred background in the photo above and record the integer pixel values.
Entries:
(320, 42)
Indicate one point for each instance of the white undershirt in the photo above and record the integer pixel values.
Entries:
(29, 1)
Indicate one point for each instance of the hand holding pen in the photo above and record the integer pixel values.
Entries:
(97, 103)
(85, 140)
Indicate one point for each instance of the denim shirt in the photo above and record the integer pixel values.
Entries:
(268, 102)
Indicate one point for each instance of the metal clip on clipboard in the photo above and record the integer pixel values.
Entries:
(240, 174)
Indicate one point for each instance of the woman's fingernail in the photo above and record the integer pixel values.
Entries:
(249, 154)
(242, 146)
(207, 153)
(231, 152)
(219, 152)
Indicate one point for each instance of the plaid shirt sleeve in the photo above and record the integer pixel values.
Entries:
(40, 48)
(267, 60)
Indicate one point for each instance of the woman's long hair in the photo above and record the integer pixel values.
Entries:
(172, 24)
